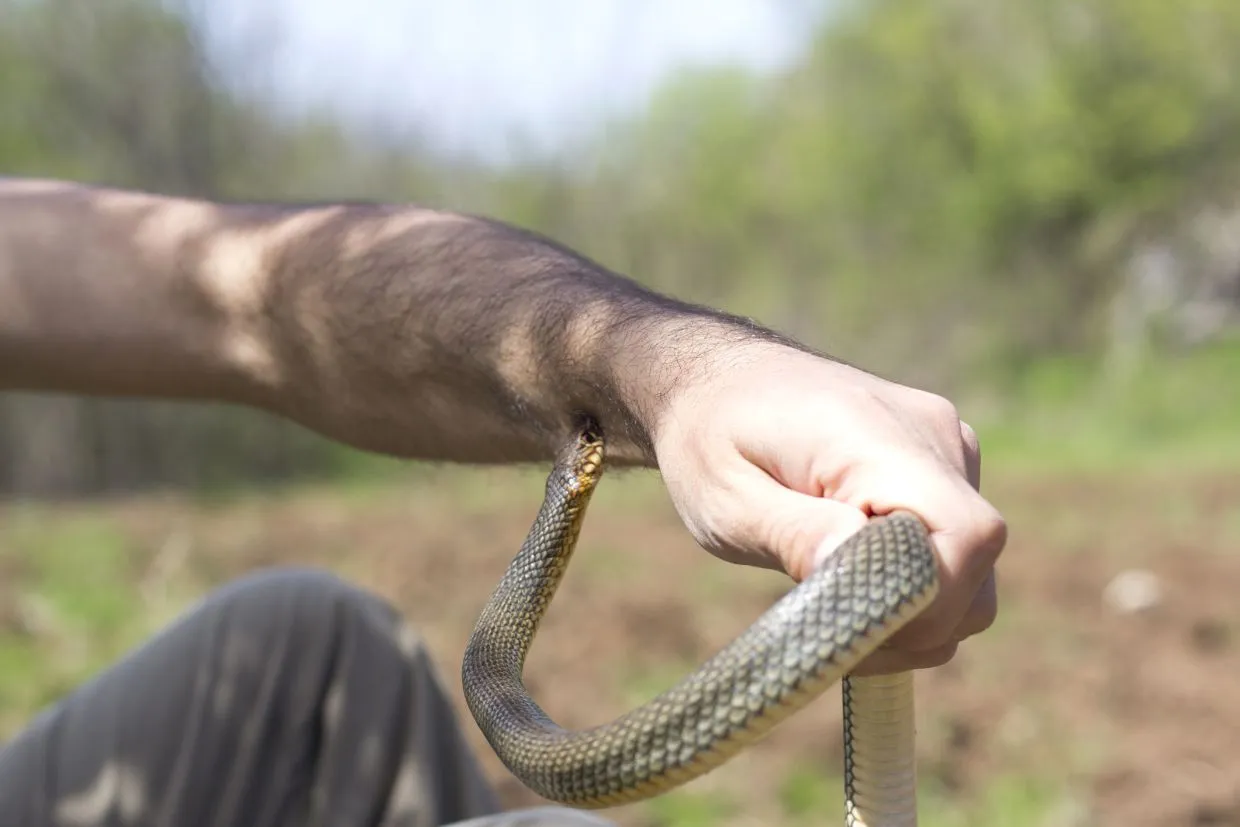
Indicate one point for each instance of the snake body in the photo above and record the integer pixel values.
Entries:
(877, 581)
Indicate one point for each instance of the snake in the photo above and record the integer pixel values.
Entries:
(812, 637)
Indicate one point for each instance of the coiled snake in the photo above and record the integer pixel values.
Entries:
(878, 580)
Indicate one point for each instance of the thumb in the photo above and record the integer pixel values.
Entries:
(802, 531)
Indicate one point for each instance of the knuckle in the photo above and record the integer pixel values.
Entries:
(984, 535)
(969, 436)
(941, 409)
(981, 617)
(991, 533)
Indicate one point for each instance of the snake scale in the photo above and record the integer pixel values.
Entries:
(878, 580)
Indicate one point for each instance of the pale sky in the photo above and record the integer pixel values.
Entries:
(470, 72)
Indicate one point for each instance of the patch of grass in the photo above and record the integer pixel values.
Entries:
(604, 563)
(1230, 526)
(1011, 801)
(81, 569)
(682, 808)
(1175, 410)
(80, 589)
(637, 686)
(718, 582)
(74, 606)
(811, 795)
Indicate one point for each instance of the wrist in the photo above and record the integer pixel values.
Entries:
(670, 366)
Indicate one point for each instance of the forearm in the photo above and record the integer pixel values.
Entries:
(397, 329)
(100, 294)
(505, 336)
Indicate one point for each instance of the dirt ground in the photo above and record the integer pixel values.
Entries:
(1069, 711)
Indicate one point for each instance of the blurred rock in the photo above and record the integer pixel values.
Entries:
(1133, 591)
(1210, 635)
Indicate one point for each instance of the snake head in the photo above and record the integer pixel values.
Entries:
(580, 463)
(587, 460)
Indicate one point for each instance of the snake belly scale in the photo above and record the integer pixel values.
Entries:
(877, 581)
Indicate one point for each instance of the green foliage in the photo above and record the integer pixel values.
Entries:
(812, 795)
(680, 808)
(809, 794)
(71, 607)
(939, 190)
(1179, 411)
(947, 193)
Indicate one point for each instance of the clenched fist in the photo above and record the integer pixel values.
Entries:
(779, 458)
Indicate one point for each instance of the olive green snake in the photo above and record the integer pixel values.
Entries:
(875, 582)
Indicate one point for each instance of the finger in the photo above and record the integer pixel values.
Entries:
(980, 616)
(972, 456)
(885, 660)
(798, 530)
(968, 535)
(982, 611)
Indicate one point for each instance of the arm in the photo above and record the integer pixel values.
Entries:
(430, 334)
(496, 336)
(96, 298)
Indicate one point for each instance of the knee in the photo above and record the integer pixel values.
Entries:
(290, 582)
(306, 585)
(303, 609)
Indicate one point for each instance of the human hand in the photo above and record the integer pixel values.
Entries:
(782, 456)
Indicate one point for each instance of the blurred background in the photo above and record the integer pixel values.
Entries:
(1032, 206)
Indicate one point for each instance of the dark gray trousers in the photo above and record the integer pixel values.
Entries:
(286, 699)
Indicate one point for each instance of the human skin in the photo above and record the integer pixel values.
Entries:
(428, 334)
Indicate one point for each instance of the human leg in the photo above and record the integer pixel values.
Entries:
(286, 698)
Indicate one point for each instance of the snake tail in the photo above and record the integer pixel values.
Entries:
(880, 773)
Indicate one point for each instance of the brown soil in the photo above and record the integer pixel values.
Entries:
(1131, 717)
